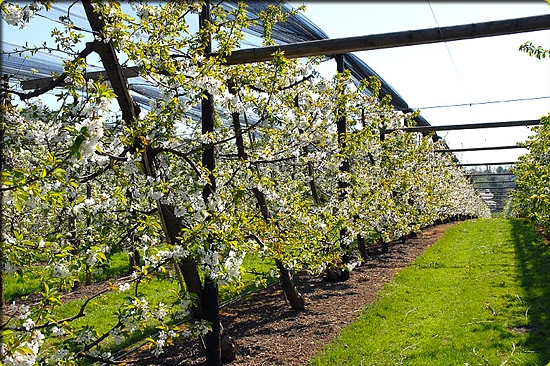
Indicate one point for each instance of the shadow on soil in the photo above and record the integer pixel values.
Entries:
(533, 260)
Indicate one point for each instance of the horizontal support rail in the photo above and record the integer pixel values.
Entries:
(127, 72)
(502, 191)
(486, 174)
(508, 187)
(362, 43)
(393, 39)
(499, 189)
(509, 184)
(511, 179)
(476, 164)
(468, 126)
(480, 148)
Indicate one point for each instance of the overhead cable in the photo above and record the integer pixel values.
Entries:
(479, 103)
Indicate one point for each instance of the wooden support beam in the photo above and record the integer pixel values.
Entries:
(476, 164)
(499, 187)
(496, 182)
(508, 184)
(393, 39)
(486, 174)
(479, 149)
(468, 126)
(364, 43)
(127, 72)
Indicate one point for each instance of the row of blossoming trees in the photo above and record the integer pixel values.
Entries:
(264, 171)
(531, 198)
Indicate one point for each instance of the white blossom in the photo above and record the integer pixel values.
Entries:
(117, 335)
(60, 271)
(91, 260)
(124, 286)
(161, 312)
(56, 332)
(28, 324)
(84, 337)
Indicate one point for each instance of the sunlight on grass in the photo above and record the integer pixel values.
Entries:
(464, 302)
(16, 287)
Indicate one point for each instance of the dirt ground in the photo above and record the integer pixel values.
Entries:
(267, 332)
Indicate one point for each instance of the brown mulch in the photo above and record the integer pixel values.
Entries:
(267, 332)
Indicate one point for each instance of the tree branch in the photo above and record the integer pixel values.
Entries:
(80, 313)
(283, 88)
(90, 47)
(184, 156)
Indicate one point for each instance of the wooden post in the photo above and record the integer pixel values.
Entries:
(210, 288)
(383, 245)
(4, 103)
(361, 242)
(341, 128)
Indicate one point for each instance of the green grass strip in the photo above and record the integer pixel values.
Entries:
(479, 296)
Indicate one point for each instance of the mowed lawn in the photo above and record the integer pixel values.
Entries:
(479, 296)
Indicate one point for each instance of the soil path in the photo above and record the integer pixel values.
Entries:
(267, 332)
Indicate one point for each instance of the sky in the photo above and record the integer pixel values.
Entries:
(469, 71)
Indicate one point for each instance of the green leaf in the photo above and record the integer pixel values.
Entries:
(24, 350)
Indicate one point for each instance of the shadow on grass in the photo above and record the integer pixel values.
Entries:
(533, 260)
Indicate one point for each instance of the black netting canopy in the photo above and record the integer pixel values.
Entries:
(296, 29)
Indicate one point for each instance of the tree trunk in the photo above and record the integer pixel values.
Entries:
(385, 246)
(210, 300)
(134, 258)
(88, 277)
(190, 273)
(2, 300)
(362, 247)
(4, 103)
(211, 307)
(294, 297)
(130, 112)
(292, 294)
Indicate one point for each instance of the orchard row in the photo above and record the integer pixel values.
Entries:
(269, 160)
